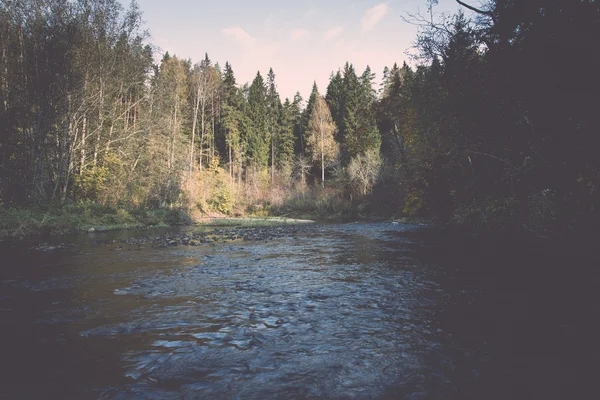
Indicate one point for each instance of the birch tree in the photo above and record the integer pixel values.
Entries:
(321, 130)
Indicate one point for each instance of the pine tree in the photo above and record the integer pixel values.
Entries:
(273, 116)
(307, 114)
(368, 136)
(298, 124)
(231, 118)
(349, 123)
(285, 142)
(258, 135)
(335, 97)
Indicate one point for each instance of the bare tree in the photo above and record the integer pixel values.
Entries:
(364, 170)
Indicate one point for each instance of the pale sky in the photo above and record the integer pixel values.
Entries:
(303, 41)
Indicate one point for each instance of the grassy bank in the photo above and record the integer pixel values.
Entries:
(320, 204)
(251, 222)
(20, 222)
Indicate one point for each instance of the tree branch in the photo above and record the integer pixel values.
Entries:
(478, 11)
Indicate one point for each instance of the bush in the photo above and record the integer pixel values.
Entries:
(90, 183)
(317, 201)
(176, 216)
(223, 200)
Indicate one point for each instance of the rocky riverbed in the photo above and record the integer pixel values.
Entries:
(206, 236)
(197, 235)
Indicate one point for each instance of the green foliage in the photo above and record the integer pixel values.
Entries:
(307, 116)
(223, 200)
(413, 203)
(82, 217)
(89, 183)
(285, 137)
(258, 131)
(352, 102)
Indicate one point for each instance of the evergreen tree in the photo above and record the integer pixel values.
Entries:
(285, 137)
(307, 114)
(258, 114)
(335, 96)
(348, 112)
(367, 137)
(358, 129)
(298, 124)
(273, 116)
(232, 102)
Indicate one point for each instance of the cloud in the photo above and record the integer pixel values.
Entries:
(333, 32)
(240, 35)
(297, 34)
(373, 16)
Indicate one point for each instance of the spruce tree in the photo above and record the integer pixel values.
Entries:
(285, 137)
(349, 123)
(335, 96)
(273, 117)
(307, 113)
(258, 113)
(298, 124)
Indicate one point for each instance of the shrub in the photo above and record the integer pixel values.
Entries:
(223, 200)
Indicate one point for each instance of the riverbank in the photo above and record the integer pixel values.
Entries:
(20, 223)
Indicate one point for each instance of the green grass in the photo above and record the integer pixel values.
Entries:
(84, 217)
(249, 222)
(72, 218)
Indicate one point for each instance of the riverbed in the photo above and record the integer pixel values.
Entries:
(333, 311)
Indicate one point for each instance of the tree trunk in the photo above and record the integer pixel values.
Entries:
(322, 157)
(100, 125)
(212, 115)
(126, 118)
(202, 131)
(272, 157)
(322, 170)
(194, 124)
(230, 162)
(82, 150)
(173, 134)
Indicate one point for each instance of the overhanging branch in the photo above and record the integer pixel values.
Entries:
(477, 10)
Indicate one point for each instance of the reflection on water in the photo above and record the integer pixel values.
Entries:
(339, 311)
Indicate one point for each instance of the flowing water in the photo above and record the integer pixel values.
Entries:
(344, 311)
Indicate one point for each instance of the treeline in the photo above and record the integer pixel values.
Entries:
(495, 128)
(87, 115)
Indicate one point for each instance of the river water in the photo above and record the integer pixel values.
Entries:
(348, 311)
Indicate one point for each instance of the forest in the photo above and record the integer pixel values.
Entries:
(492, 125)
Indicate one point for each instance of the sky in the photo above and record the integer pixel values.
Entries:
(303, 41)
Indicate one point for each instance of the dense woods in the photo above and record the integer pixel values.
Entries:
(494, 127)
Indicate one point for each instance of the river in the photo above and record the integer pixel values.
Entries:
(335, 311)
